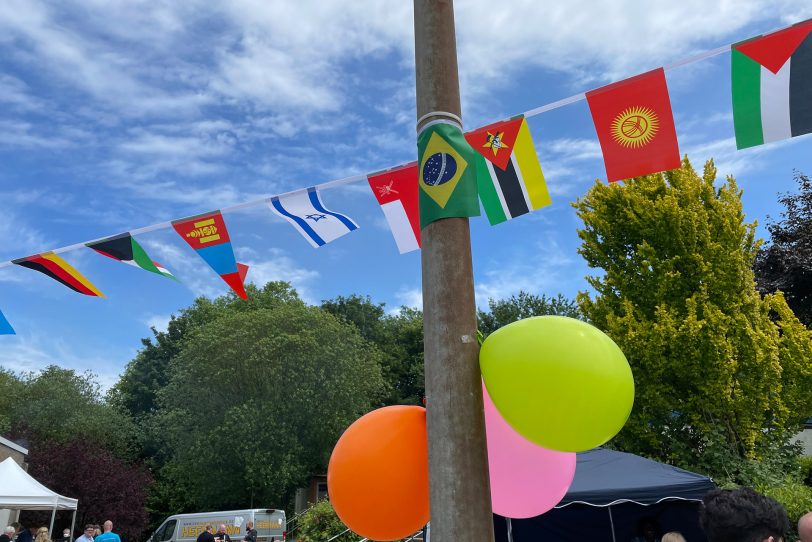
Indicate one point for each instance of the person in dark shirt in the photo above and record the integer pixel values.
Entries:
(250, 532)
(206, 535)
(23, 535)
(221, 535)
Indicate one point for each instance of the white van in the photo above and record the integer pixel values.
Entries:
(270, 525)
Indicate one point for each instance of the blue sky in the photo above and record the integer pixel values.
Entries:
(117, 115)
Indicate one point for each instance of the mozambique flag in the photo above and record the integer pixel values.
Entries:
(509, 176)
(635, 126)
(125, 249)
(772, 83)
(447, 174)
(49, 263)
(207, 234)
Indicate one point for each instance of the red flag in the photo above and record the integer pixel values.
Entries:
(635, 126)
(396, 192)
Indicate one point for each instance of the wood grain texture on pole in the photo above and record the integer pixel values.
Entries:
(458, 462)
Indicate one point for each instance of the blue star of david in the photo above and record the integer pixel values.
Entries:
(316, 217)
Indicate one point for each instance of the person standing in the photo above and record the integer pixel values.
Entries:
(66, 537)
(805, 528)
(250, 532)
(87, 536)
(742, 515)
(23, 534)
(8, 534)
(206, 535)
(222, 535)
(43, 535)
(109, 535)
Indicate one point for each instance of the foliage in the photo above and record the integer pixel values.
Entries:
(805, 465)
(256, 399)
(785, 264)
(10, 387)
(107, 487)
(524, 305)
(398, 336)
(720, 373)
(320, 523)
(77, 402)
(794, 496)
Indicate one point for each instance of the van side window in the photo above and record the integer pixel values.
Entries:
(166, 531)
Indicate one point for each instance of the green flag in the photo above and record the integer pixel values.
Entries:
(447, 174)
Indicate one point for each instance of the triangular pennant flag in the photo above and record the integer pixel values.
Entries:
(49, 263)
(509, 176)
(635, 126)
(773, 50)
(305, 212)
(125, 249)
(207, 234)
(5, 327)
(396, 192)
(771, 80)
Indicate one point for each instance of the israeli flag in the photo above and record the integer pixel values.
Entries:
(306, 212)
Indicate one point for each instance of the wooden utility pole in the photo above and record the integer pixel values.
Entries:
(459, 487)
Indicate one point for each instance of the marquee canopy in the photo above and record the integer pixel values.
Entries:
(20, 491)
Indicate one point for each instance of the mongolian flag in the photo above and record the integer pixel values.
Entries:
(509, 176)
(447, 174)
(5, 327)
(396, 192)
(772, 86)
(207, 234)
(125, 249)
(49, 263)
(635, 126)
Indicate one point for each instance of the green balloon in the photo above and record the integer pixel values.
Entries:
(559, 382)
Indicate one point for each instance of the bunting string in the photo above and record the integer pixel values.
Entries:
(361, 177)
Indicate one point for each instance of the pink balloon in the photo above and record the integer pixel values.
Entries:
(526, 479)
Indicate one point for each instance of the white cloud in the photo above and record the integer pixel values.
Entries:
(159, 321)
(409, 297)
(280, 266)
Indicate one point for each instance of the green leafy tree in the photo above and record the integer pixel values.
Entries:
(524, 305)
(721, 374)
(320, 522)
(256, 399)
(785, 263)
(398, 336)
(10, 386)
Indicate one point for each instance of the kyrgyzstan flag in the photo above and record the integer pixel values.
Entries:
(635, 126)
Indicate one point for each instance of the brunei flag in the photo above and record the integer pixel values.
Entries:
(635, 126)
(207, 234)
(49, 263)
(125, 249)
(509, 176)
(446, 175)
(772, 86)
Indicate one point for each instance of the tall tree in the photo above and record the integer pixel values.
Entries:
(718, 369)
(785, 263)
(255, 401)
(524, 305)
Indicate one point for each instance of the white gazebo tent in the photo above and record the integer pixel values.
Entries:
(20, 491)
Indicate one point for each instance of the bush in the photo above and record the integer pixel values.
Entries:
(321, 523)
(794, 496)
(806, 469)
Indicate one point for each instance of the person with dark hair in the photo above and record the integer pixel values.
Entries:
(648, 530)
(250, 532)
(87, 536)
(742, 515)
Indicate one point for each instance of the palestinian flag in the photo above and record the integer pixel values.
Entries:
(446, 174)
(772, 86)
(509, 176)
(125, 249)
(49, 263)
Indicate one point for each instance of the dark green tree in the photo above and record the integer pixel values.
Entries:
(256, 399)
(721, 375)
(524, 305)
(785, 263)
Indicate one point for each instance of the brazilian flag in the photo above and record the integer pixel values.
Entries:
(447, 174)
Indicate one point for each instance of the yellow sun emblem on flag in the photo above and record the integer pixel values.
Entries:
(495, 142)
(635, 127)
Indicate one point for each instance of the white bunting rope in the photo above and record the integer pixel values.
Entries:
(449, 118)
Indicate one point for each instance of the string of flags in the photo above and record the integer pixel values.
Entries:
(497, 165)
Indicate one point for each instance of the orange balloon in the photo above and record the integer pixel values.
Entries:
(378, 476)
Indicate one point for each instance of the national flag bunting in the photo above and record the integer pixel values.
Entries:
(447, 174)
(207, 234)
(396, 192)
(125, 249)
(305, 212)
(49, 263)
(509, 176)
(5, 327)
(635, 126)
(771, 84)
